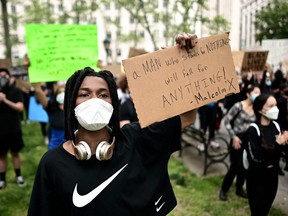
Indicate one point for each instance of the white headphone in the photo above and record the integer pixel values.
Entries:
(104, 150)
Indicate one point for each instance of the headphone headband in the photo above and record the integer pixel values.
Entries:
(104, 150)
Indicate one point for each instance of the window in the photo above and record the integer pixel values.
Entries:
(118, 33)
(107, 19)
(165, 3)
(60, 7)
(107, 6)
(118, 52)
(14, 38)
(117, 20)
(13, 9)
(27, 8)
(14, 22)
(94, 20)
(51, 7)
(84, 18)
(117, 6)
(132, 20)
(141, 34)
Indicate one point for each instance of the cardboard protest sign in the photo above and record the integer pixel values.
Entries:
(135, 52)
(238, 59)
(115, 69)
(57, 50)
(169, 82)
(254, 61)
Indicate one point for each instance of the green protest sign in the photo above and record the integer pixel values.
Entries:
(58, 50)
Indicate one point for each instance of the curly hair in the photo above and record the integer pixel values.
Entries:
(71, 90)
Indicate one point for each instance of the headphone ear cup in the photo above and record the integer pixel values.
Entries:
(98, 153)
(82, 151)
(107, 151)
(104, 151)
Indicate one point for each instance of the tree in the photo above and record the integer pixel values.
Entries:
(178, 16)
(38, 13)
(181, 16)
(140, 11)
(272, 21)
(79, 8)
(218, 24)
(6, 28)
(83, 10)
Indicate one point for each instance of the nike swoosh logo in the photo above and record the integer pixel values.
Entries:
(159, 208)
(82, 200)
(156, 203)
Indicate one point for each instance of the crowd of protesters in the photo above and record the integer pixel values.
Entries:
(237, 108)
(265, 140)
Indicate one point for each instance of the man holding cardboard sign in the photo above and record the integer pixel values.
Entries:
(101, 161)
(133, 176)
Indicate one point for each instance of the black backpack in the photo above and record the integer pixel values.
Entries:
(246, 145)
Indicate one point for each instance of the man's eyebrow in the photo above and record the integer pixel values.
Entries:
(84, 88)
(89, 89)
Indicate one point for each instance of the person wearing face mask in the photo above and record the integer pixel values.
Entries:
(11, 106)
(54, 108)
(265, 142)
(103, 169)
(236, 122)
(265, 83)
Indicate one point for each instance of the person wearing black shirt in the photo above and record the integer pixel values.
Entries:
(265, 142)
(54, 108)
(127, 112)
(11, 107)
(236, 122)
(102, 169)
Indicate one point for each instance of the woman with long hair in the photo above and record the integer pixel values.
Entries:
(265, 142)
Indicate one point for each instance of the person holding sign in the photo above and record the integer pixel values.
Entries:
(102, 169)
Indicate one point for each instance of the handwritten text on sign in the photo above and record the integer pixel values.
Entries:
(57, 51)
(169, 82)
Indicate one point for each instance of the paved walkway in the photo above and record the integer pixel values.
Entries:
(195, 163)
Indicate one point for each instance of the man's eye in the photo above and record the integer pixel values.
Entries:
(83, 95)
(103, 95)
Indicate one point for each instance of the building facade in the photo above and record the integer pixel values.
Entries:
(247, 28)
(240, 15)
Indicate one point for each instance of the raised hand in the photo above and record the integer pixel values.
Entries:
(187, 41)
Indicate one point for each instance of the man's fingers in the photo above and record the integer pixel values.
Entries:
(187, 41)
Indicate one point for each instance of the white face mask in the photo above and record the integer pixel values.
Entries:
(272, 113)
(60, 98)
(94, 114)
